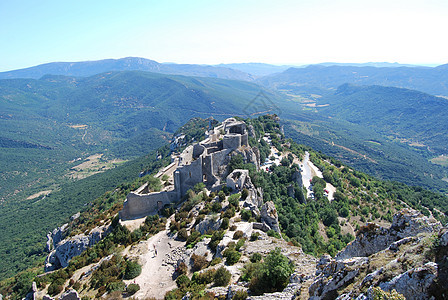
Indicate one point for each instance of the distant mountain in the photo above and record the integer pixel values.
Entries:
(425, 79)
(395, 112)
(89, 68)
(368, 64)
(256, 69)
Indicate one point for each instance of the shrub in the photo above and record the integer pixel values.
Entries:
(233, 228)
(232, 256)
(116, 286)
(215, 261)
(216, 206)
(183, 281)
(244, 194)
(194, 237)
(133, 269)
(182, 268)
(240, 295)
(222, 196)
(234, 200)
(225, 223)
(246, 214)
(132, 289)
(216, 238)
(273, 274)
(199, 262)
(229, 213)
(55, 288)
(182, 234)
(238, 234)
(255, 257)
(222, 277)
(273, 233)
(205, 277)
(254, 236)
(240, 244)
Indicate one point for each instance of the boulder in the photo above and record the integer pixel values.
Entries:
(209, 223)
(413, 284)
(73, 246)
(70, 295)
(372, 238)
(269, 216)
(54, 237)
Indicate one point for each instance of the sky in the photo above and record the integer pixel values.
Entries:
(278, 32)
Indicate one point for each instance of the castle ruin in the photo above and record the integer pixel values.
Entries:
(202, 162)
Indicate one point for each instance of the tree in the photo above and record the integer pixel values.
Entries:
(273, 274)
(222, 277)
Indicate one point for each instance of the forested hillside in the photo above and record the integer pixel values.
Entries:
(425, 79)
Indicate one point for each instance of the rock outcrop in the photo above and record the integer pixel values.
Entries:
(70, 295)
(68, 248)
(376, 244)
(269, 216)
(413, 284)
(373, 238)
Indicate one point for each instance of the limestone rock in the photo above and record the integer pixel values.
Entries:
(415, 283)
(373, 238)
(333, 275)
(444, 238)
(73, 246)
(209, 223)
(269, 216)
(70, 295)
(54, 237)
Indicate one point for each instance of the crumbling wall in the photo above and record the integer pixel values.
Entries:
(140, 205)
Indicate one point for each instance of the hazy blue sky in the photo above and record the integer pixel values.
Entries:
(210, 32)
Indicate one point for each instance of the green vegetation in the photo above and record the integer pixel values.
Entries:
(272, 275)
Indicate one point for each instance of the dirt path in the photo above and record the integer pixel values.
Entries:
(156, 277)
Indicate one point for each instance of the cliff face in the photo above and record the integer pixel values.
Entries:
(65, 249)
(400, 258)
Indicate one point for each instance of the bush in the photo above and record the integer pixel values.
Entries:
(116, 286)
(232, 256)
(199, 262)
(273, 274)
(133, 269)
(205, 277)
(132, 289)
(183, 281)
(273, 233)
(234, 200)
(216, 206)
(240, 244)
(215, 261)
(182, 268)
(233, 228)
(182, 234)
(222, 277)
(225, 223)
(216, 238)
(238, 234)
(222, 196)
(240, 295)
(256, 257)
(55, 288)
(229, 213)
(254, 236)
(246, 214)
(244, 194)
(194, 237)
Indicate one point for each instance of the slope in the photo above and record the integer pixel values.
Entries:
(425, 79)
(89, 68)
